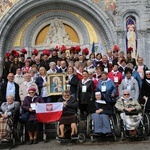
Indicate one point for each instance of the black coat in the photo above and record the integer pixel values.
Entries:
(71, 107)
(93, 106)
(3, 92)
(85, 97)
(74, 83)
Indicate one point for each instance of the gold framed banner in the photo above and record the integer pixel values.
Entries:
(56, 84)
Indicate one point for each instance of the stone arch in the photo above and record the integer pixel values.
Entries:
(23, 11)
(44, 20)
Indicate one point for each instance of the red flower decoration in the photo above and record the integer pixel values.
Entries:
(77, 49)
(116, 48)
(63, 48)
(85, 51)
(130, 49)
(46, 52)
(13, 52)
(24, 51)
(7, 54)
(35, 52)
(16, 54)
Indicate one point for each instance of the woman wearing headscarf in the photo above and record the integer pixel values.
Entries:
(100, 111)
(29, 105)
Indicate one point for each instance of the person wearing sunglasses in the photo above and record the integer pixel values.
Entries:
(29, 104)
(129, 109)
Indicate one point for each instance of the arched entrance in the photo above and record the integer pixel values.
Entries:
(26, 24)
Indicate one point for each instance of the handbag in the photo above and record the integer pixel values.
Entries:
(133, 112)
(24, 117)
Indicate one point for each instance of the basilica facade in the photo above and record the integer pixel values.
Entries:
(45, 24)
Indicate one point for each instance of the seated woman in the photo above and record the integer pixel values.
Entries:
(129, 109)
(100, 111)
(70, 105)
(29, 105)
(7, 111)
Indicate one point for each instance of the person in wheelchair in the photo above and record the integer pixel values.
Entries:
(129, 109)
(9, 114)
(70, 105)
(100, 111)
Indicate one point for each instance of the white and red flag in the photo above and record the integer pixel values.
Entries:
(49, 112)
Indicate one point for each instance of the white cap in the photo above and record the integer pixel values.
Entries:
(97, 93)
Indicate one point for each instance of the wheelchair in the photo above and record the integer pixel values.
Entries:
(80, 137)
(146, 116)
(13, 130)
(114, 129)
(138, 134)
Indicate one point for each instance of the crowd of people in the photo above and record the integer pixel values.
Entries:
(89, 77)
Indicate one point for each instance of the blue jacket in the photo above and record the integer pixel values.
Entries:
(110, 89)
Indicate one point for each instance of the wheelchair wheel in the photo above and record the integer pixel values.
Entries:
(81, 137)
(92, 138)
(117, 126)
(88, 125)
(146, 121)
(114, 138)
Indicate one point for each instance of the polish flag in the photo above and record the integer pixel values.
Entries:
(49, 112)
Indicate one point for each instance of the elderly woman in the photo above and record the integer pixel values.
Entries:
(29, 105)
(100, 111)
(52, 69)
(8, 110)
(129, 109)
(70, 105)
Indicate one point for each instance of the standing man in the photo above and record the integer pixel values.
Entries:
(9, 87)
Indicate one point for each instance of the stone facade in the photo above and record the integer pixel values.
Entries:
(26, 17)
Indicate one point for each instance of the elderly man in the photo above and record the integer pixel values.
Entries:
(9, 87)
(70, 105)
(23, 91)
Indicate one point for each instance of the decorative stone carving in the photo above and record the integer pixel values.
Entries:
(57, 34)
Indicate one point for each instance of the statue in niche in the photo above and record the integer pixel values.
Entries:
(57, 34)
(131, 36)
